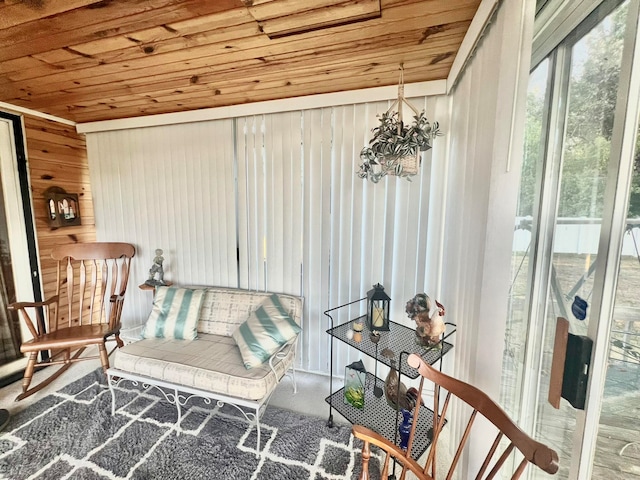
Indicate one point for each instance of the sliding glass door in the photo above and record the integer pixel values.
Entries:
(575, 247)
(617, 454)
(10, 335)
(19, 277)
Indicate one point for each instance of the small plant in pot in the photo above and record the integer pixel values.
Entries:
(394, 141)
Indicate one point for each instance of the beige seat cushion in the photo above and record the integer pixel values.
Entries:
(211, 362)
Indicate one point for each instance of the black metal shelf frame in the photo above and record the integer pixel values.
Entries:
(377, 414)
(380, 417)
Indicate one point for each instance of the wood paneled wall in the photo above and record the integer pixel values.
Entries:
(57, 156)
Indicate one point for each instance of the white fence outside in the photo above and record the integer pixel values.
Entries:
(576, 235)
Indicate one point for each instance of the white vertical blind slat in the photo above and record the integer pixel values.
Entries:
(420, 199)
(277, 210)
(468, 256)
(437, 193)
(294, 248)
(242, 126)
(227, 163)
(361, 260)
(342, 245)
(204, 257)
(314, 255)
(255, 204)
(352, 282)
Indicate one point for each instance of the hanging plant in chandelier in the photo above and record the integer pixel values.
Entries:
(395, 147)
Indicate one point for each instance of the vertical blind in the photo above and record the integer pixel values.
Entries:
(271, 202)
(168, 187)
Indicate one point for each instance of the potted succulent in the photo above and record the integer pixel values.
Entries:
(394, 143)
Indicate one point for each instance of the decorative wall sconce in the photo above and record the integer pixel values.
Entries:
(63, 209)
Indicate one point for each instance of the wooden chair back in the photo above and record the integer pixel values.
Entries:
(91, 281)
(521, 446)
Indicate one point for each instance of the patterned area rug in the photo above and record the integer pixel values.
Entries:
(72, 434)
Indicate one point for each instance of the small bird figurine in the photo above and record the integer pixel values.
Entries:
(413, 395)
(397, 394)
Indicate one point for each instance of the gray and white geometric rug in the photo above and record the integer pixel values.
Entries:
(71, 434)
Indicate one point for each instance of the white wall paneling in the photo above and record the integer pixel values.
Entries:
(485, 155)
(271, 202)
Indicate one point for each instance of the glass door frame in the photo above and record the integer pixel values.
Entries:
(542, 228)
(616, 202)
(616, 198)
(21, 224)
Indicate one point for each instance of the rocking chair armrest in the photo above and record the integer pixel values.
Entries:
(23, 305)
(36, 326)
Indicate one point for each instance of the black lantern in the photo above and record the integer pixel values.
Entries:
(378, 309)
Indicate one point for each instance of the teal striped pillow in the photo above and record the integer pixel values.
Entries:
(174, 314)
(268, 328)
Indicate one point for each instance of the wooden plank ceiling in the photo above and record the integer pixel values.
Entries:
(89, 60)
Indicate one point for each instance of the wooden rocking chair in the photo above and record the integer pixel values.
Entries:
(95, 277)
(532, 451)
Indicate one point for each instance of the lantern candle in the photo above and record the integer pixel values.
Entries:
(378, 317)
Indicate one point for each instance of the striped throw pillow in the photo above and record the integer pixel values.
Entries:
(174, 314)
(268, 328)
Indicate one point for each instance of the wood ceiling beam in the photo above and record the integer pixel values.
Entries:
(220, 27)
(278, 88)
(185, 28)
(395, 18)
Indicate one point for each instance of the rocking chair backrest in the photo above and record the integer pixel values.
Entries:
(519, 445)
(91, 282)
(530, 450)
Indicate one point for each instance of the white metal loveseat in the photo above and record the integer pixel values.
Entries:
(212, 365)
